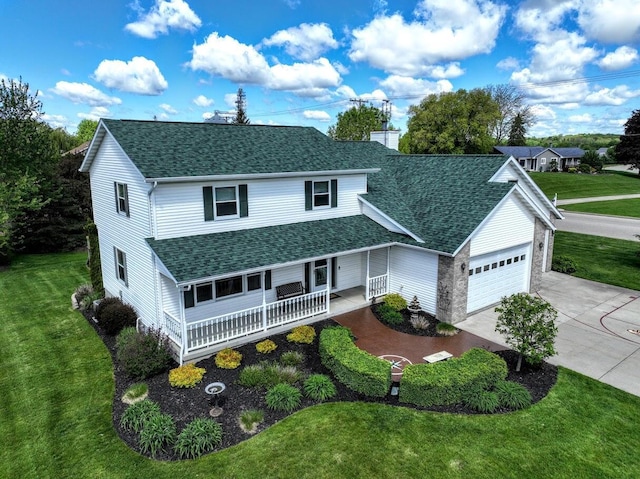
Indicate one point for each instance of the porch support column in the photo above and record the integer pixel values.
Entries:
(453, 286)
(183, 323)
(329, 273)
(367, 280)
(264, 301)
(388, 281)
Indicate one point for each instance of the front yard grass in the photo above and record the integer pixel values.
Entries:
(57, 387)
(573, 185)
(630, 207)
(606, 260)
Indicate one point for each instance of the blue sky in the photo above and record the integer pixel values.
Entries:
(300, 62)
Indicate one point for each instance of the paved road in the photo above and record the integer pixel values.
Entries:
(591, 199)
(600, 225)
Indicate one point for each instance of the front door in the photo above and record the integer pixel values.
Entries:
(319, 275)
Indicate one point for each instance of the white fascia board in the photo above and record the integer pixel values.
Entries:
(257, 176)
(93, 148)
(161, 267)
(391, 220)
(522, 174)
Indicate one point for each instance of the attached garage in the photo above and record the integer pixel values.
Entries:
(498, 274)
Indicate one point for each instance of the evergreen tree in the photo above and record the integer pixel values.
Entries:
(241, 114)
(628, 150)
(517, 132)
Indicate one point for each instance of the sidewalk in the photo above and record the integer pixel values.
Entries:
(573, 201)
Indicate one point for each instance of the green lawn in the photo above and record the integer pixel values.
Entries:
(570, 185)
(605, 260)
(629, 207)
(57, 387)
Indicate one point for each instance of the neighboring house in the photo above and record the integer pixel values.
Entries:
(538, 158)
(223, 234)
(81, 149)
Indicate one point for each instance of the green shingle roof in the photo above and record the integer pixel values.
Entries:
(197, 257)
(174, 150)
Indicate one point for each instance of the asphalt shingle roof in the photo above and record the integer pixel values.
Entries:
(531, 151)
(196, 257)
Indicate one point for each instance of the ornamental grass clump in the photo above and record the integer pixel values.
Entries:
(292, 358)
(158, 434)
(302, 335)
(135, 393)
(136, 415)
(228, 359)
(513, 395)
(266, 374)
(265, 347)
(446, 329)
(250, 419)
(319, 387)
(200, 436)
(283, 397)
(483, 401)
(186, 376)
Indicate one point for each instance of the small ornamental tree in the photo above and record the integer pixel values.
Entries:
(528, 325)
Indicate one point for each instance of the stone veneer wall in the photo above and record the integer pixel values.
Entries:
(552, 238)
(453, 286)
(537, 256)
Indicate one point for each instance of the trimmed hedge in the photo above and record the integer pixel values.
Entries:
(353, 367)
(448, 382)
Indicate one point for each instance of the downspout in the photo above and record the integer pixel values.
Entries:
(152, 210)
(183, 321)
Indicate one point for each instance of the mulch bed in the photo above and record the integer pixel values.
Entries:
(184, 405)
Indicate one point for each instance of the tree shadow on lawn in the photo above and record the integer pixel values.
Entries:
(184, 405)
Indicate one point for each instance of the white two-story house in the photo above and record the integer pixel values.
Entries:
(222, 234)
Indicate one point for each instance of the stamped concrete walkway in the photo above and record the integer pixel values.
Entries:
(379, 340)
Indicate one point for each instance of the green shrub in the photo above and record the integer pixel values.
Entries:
(292, 358)
(283, 397)
(113, 315)
(228, 359)
(446, 329)
(135, 393)
(82, 292)
(267, 374)
(396, 301)
(158, 434)
(302, 335)
(186, 376)
(483, 401)
(319, 387)
(198, 437)
(143, 354)
(572, 170)
(449, 382)
(250, 419)
(513, 395)
(584, 168)
(563, 264)
(265, 347)
(389, 315)
(136, 415)
(353, 367)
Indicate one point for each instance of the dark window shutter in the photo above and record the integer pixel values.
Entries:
(115, 190)
(334, 272)
(207, 193)
(308, 195)
(126, 270)
(126, 199)
(244, 201)
(307, 277)
(115, 262)
(267, 279)
(334, 193)
(188, 298)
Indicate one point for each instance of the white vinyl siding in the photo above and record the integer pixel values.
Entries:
(349, 274)
(510, 224)
(124, 233)
(415, 273)
(170, 296)
(179, 207)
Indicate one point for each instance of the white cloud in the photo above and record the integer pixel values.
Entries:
(543, 112)
(55, 121)
(441, 32)
(610, 21)
(316, 115)
(168, 109)
(611, 96)
(345, 91)
(509, 63)
(230, 99)
(95, 114)
(165, 15)
(306, 42)
(583, 118)
(416, 88)
(240, 63)
(622, 57)
(139, 75)
(84, 93)
(202, 101)
(568, 106)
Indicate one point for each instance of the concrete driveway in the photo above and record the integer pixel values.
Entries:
(594, 320)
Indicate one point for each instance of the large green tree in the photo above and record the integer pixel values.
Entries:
(357, 123)
(85, 131)
(628, 150)
(512, 107)
(457, 122)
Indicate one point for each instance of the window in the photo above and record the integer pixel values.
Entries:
(320, 272)
(122, 198)
(543, 161)
(204, 292)
(253, 282)
(228, 286)
(321, 194)
(225, 202)
(121, 266)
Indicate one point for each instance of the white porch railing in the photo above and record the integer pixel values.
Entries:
(172, 327)
(210, 331)
(378, 286)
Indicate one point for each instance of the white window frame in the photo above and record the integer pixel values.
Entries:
(216, 202)
(543, 161)
(122, 198)
(121, 266)
(327, 194)
(232, 295)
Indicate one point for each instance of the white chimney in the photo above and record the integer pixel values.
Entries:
(388, 138)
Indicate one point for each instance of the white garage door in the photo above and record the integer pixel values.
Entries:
(494, 275)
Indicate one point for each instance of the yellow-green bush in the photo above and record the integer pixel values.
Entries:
(302, 334)
(395, 301)
(228, 359)
(186, 376)
(265, 347)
